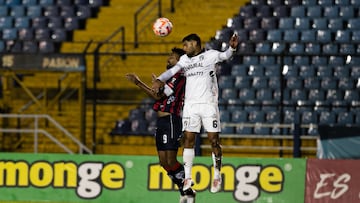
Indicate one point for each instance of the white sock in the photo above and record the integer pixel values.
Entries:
(216, 169)
(188, 157)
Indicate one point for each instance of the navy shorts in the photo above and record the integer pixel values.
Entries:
(168, 132)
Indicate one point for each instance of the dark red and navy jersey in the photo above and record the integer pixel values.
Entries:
(173, 103)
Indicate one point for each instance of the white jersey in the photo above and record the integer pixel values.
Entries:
(200, 72)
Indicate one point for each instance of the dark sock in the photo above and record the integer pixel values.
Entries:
(177, 175)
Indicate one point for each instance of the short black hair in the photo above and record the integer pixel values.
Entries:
(178, 51)
(194, 37)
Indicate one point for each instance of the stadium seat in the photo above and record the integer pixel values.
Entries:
(353, 23)
(269, 23)
(229, 93)
(136, 114)
(347, 49)
(30, 47)
(301, 60)
(272, 117)
(22, 22)
(267, 60)
(314, 11)
(334, 95)
(351, 95)
(290, 71)
(264, 11)
(307, 71)
(308, 36)
(274, 35)
(14, 46)
(46, 2)
(319, 60)
(316, 95)
(239, 116)
(247, 11)
(234, 105)
(245, 47)
(26, 34)
(17, 11)
(226, 81)
(296, 48)
(275, 3)
(328, 83)
(312, 48)
(298, 95)
(309, 2)
(59, 35)
(227, 130)
(355, 36)
(324, 71)
(262, 48)
(256, 117)
(330, 48)
(42, 34)
(291, 35)
(341, 72)
(150, 115)
(294, 82)
(72, 23)
(13, 2)
(286, 23)
(39, 22)
(353, 60)
(290, 117)
(342, 36)
(327, 117)
(263, 94)
(345, 84)
(252, 23)
(281, 11)
(242, 34)
(225, 116)
(298, 11)
(308, 117)
(46, 46)
(258, 35)
(236, 22)
(323, 36)
(311, 83)
(55, 23)
(336, 60)
(67, 11)
(34, 11)
(64, 2)
(278, 48)
(256, 70)
(326, 2)
(246, 94)
(4, 11)
(274, 82)
(320, 24)
(250, 60)
(302, 23)
(51, 11)
(242, 82)
(239, 70)
(331, 11)
(345, 118)
(242, 130)
(292, 2)
(259, 82)
(346, 12)
(269, 105)
(29, 2)
(9, 33)
(336, 24)
(139, 127)
(272, 71)
(342, 2)
(259, 129)
(6, 22)
(84, 12)
(355, 72)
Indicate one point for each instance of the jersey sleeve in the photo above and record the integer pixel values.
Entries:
(169, 73)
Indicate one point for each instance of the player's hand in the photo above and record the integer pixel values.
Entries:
(153, 78)
(234, 41)
(157, 84)
(132, 77)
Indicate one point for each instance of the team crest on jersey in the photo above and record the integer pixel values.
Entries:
(212, 73)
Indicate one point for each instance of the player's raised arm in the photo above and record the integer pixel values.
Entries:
(132, 77)
(164, 77)
(233, 43)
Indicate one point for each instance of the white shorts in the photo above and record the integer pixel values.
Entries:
(205, 114)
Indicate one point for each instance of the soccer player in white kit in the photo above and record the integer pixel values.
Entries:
(201, 101)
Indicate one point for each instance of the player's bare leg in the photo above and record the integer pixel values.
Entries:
(217, 160)
(188, 158)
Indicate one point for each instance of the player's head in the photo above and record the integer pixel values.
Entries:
(192, 44)
(174, 57)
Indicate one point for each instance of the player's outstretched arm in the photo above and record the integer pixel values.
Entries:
(132, 77)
